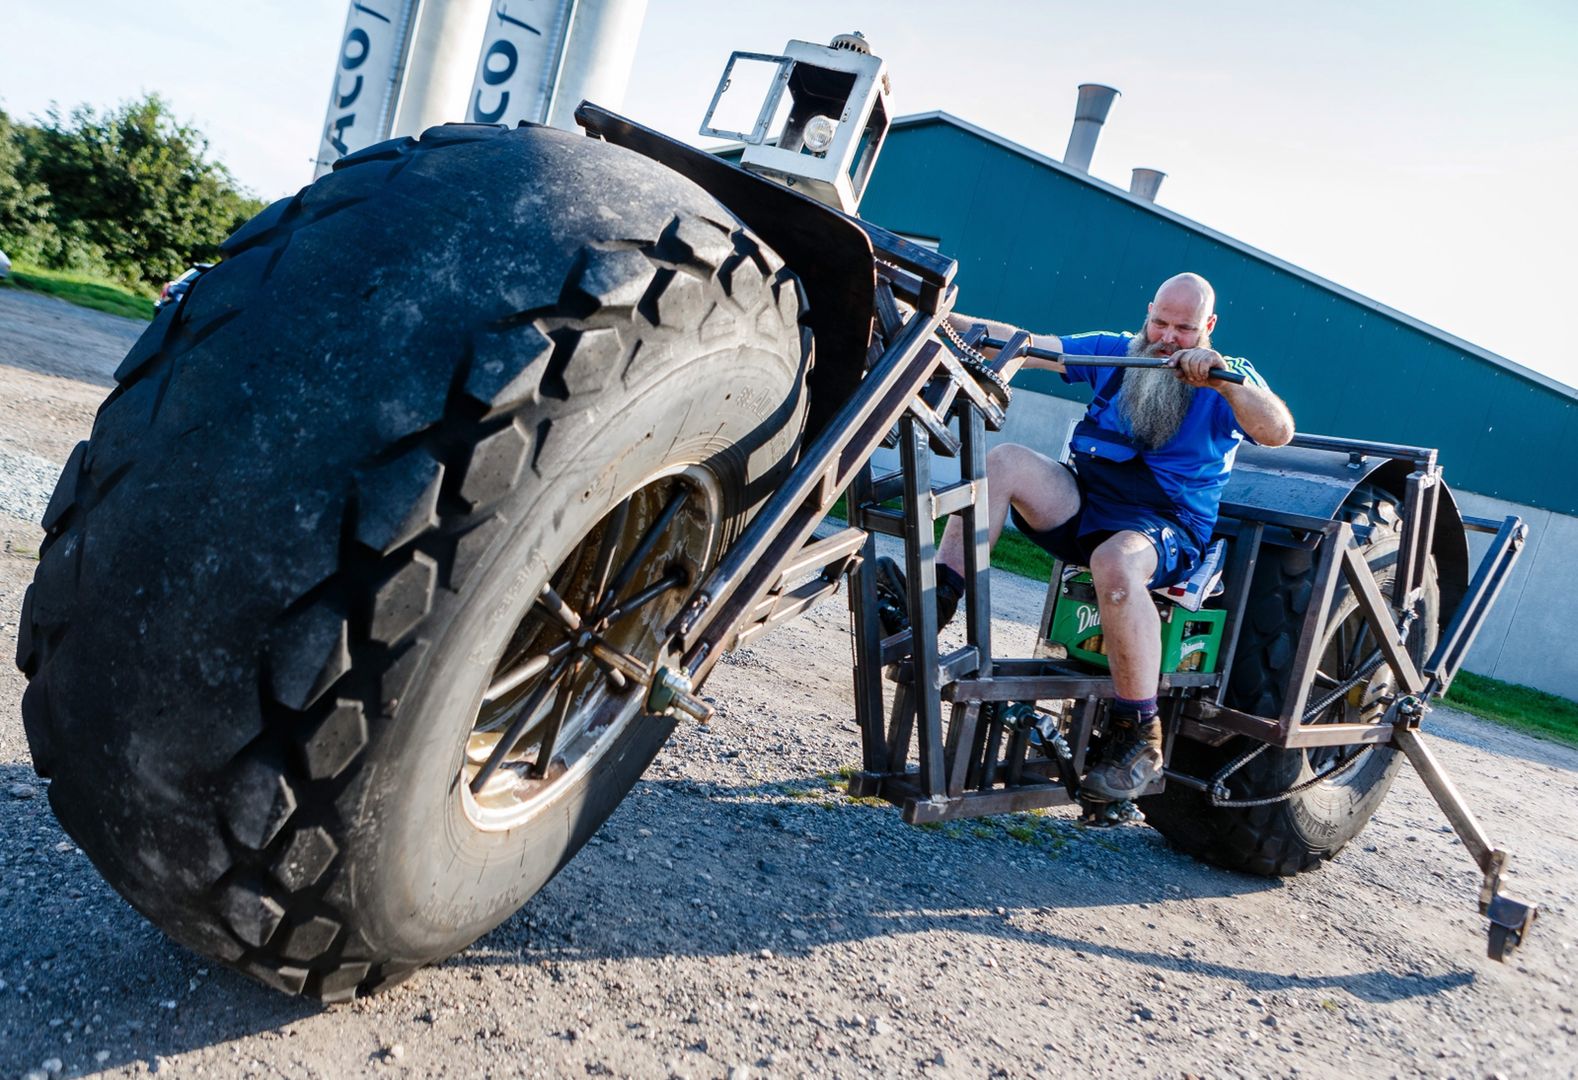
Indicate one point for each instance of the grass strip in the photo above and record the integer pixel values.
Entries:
(1520, 707)
(1012, 552)
(82, 290)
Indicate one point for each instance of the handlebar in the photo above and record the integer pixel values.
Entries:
(1224, 374)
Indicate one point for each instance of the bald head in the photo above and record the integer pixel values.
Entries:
(1181, 317)
(1189, 289)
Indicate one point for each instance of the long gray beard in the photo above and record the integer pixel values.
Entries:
(1154, 401)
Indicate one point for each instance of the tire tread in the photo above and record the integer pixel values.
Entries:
(419, 512)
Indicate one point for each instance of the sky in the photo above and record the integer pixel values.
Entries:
(1422, 154)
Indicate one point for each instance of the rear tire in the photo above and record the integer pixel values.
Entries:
(1287, 837)
(311, 523)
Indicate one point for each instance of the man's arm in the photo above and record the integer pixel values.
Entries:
(1003, 331)
(1261, 414)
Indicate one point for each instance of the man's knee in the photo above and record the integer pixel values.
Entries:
(1121, 567)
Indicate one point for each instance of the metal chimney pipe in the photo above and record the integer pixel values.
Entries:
(1146, 182)
(1089, 114)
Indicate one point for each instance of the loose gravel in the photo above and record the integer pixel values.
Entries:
(741, 916)
(25, 483)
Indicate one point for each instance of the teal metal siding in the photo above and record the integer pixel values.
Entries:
(1046, 250)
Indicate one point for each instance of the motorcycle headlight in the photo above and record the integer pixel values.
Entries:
(819, 133)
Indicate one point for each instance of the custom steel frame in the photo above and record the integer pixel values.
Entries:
(979, 759)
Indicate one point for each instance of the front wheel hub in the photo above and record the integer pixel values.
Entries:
(578, 667)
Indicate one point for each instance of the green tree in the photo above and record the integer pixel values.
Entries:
(134, 187)
(24, 202)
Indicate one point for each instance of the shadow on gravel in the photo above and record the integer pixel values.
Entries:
(682, 870)
(696, 870)
(64, 369)
(50, 336)
(82, 973)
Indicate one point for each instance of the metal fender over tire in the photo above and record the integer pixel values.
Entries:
(1282, 838)
(293, 593)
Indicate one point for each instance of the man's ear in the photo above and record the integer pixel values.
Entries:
(1210, 322)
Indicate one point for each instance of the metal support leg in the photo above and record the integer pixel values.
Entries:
(1510, 918)
(977, 521)
(961, 742)
(920, 551)
(868, 636)
(903, 724)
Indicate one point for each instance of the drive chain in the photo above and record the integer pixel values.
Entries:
(1219, 787)
(976, 363)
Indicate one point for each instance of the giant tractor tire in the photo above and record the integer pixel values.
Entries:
(293, 593)
(1293, 834)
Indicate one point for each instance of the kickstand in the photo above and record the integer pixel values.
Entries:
(1510, 918)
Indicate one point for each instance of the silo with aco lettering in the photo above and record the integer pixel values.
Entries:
(405, 65)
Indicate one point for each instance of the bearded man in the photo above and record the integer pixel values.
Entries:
(1138, 504)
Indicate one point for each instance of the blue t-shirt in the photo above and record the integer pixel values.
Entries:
(1193, 468)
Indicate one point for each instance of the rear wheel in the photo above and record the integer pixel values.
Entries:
(1292, 834)
(336, 646)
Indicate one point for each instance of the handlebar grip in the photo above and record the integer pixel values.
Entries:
(1226, 375)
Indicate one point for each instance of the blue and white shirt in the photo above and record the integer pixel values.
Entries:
(1192, 469)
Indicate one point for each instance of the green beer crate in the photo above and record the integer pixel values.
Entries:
(1190, 639)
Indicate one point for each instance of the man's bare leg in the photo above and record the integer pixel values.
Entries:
(1121, 569)
(1043, 491)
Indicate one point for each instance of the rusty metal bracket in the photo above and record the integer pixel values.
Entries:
(1510, 918)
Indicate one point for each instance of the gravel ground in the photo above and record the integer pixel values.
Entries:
(739, 916)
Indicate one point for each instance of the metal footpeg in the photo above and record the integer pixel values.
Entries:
(1510, 918)
(1100, 815)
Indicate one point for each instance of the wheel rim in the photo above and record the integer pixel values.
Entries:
(576, 669)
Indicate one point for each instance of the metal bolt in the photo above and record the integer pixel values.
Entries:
(672, 692)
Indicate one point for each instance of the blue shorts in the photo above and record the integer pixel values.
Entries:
(1118, 497)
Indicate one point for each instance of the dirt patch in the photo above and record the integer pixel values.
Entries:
(739, 915)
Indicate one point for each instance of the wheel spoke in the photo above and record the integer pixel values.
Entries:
(1361, 635)
(644, 548)
(674, 579)
(611, 659)
(613, 529)
(1323, 679)
(1370, 665)
(1337, 651)
(550, 733)
(616, 678)
(554, 604)
(528, 710)
(519, 674)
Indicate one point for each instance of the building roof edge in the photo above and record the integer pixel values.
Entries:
(1511, 366)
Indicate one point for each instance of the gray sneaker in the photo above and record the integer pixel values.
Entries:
(1132, 760)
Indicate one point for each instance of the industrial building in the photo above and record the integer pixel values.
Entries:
(1045, 245)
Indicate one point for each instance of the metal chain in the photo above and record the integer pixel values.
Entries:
(978, 365)
(1218, 787)
(1326, 700)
